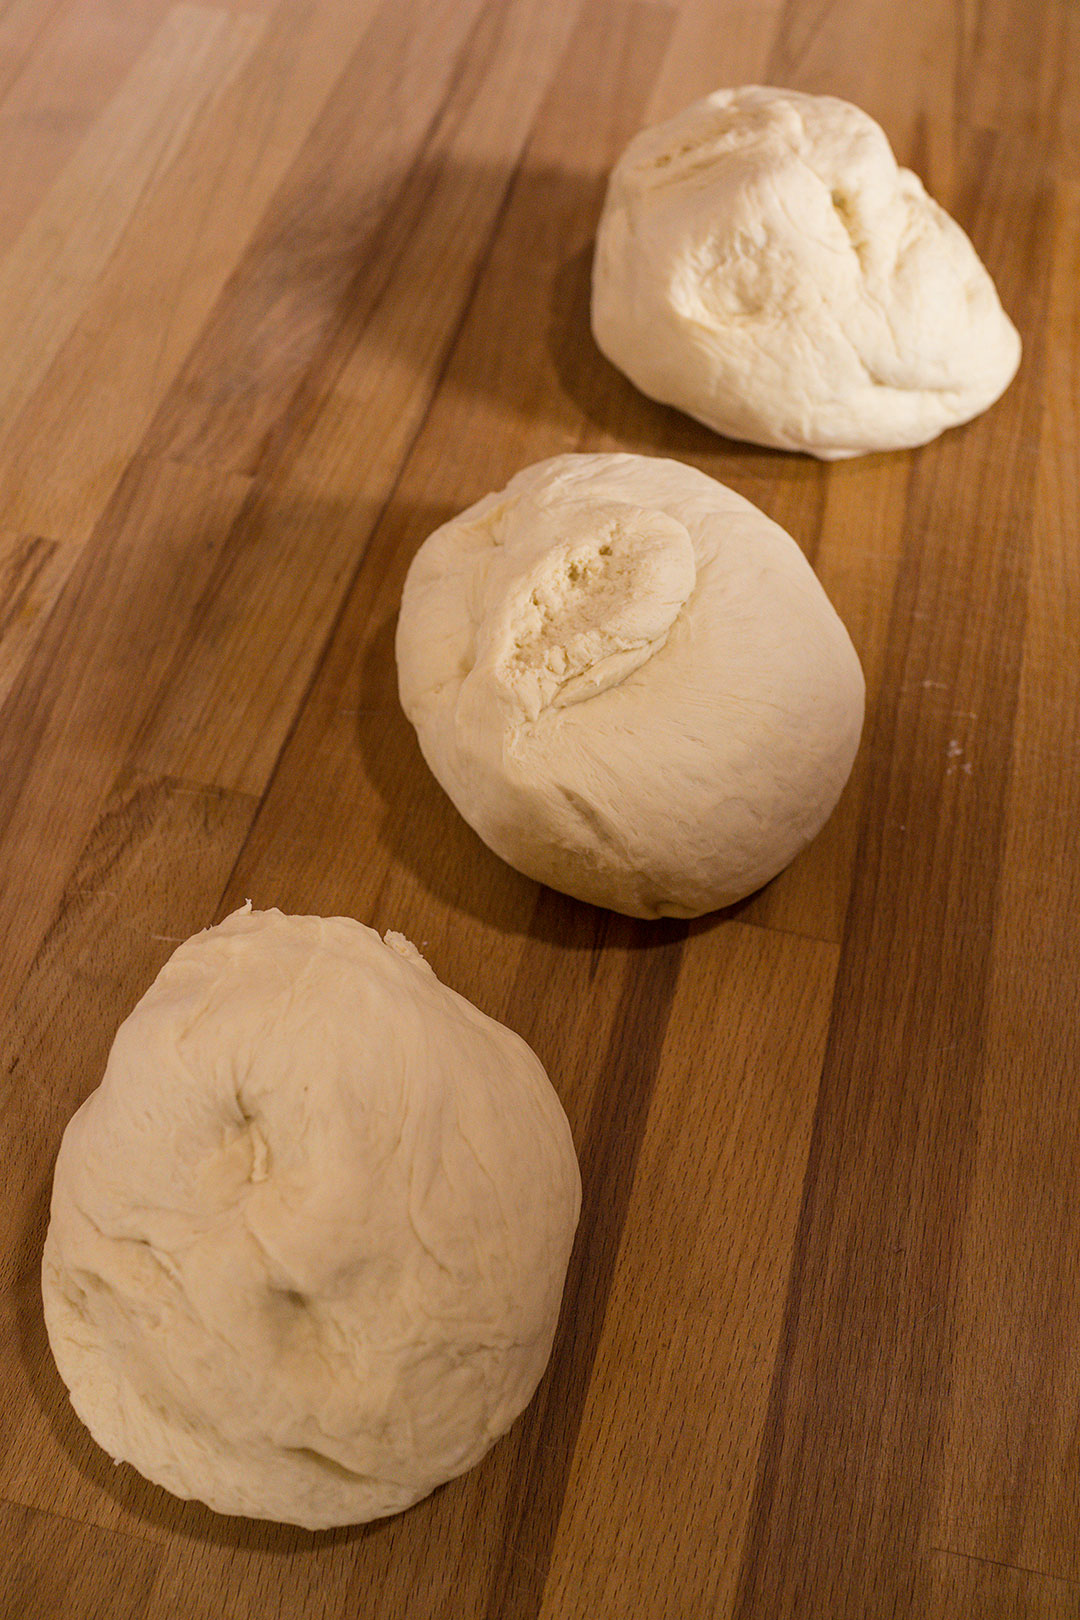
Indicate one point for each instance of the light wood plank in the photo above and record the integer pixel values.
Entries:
(232, 697)
(51, 273)
(710, 1227)
(59, 67)
(190, 230)
(715, 44)
(22, 26)
(1063, 147)
(1010, 1489)
(72, 714)
(331, 238)
(1016, 78)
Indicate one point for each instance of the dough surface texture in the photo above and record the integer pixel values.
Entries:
(763, 264)
(308, 1237)
(630, 683)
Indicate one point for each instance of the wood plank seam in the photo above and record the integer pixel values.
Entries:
(717, 919)
(613, 1138)
(315, 386)
(124, 1531)
(316, 515)
(43, 307)
(773, 1446)
(1000, 1563)
(147, 312)
(917, 560)
(34, 725)
(350, 584)
(327, 363)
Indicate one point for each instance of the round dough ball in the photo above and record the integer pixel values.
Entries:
(629, 682)
(763, 264)
(309, 1235)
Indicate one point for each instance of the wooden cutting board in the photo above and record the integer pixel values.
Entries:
(284, 283)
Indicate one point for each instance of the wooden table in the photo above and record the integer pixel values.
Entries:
(284, 283)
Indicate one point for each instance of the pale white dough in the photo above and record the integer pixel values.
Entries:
(763, 264)
(309, 1235)
(629, 682)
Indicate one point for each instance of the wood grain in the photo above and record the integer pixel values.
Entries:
(1010, 1490)
(60, 65)
(56, 1567)
(70, 718)
(283, 284)
(713, 1210)
(869, 1311)
(57, 262)
(342, 464)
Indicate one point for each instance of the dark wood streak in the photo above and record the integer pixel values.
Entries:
(858, 1389)
(297, 302)
(608, 1155)
(19, 573)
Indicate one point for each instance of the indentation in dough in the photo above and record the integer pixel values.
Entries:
(597, 602)
(331, 1466)
(846, 211)
(764, 264)
(260, 1154)
(242, 1159)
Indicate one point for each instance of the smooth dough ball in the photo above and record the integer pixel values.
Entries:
(763, 264)
(629, 682)
(309, 1235)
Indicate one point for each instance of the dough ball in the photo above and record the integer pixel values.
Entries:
(309, 1235)
(629, 682)
(763, 264)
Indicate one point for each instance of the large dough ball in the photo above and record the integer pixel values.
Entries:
(629, 682)
(309, 1235)
(764, 265)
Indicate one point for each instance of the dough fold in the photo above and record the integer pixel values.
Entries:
(763, 264)
(308, 1237)
(629, 682)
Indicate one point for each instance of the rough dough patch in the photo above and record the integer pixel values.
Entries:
(629, 682)
(763, 264)
(309, 1236)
